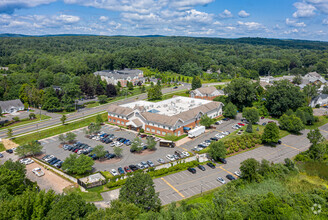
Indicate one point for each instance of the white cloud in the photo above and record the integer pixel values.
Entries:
(320, 5)
(217, 23)
(243, 14)
(293, 31)
(250, 25)
(304, 10)
(8, 6)
(103, 18)
(67, 19)
(325, 21)
(187, 4)
(294, 23)
(196, 16)
(226, 14)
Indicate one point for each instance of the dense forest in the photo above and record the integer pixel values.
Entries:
(36, 64)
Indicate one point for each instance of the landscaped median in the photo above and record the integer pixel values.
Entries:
(58, 129)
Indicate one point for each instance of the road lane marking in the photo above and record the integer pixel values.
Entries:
(323, 130)
(182, 148)
(291, 147)
(173, 187)
(227, 171)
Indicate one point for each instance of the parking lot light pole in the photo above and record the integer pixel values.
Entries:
(201, 187)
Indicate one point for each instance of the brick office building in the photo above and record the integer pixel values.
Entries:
(207, 93)
(173, 116)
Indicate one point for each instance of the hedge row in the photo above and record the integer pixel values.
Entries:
(245, 141)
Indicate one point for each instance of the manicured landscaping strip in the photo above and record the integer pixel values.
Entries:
(56, 130)
(322, 121)
(2, 147)
(25, 122)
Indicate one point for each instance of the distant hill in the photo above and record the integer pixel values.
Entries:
(55, 35)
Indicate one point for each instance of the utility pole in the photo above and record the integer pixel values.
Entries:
(201, 187)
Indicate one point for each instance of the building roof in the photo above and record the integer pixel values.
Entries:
(11, 103)
(207, 90)
(137, 122)
(120, 110)
(120, 74)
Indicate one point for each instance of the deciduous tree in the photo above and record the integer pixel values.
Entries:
(271, 133)
(217, 150)
(206, 121)
(230, 110)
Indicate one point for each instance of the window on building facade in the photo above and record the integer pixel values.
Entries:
(178, 133)
(152, 130)
(148, 129)
(118, 121)
(163, 133)
(109, 119)
(114, 120)
(158, 131)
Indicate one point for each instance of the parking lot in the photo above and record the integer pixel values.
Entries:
(52, 146)
(49, 181)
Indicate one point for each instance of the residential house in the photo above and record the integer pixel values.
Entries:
(207, 93)
(11, 106)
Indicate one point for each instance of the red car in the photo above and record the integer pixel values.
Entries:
(262, 117)
(241, 124)
(270, 121)
(127, 169)
(143, 135)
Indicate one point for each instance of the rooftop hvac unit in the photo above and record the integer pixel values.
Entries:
(192, 101)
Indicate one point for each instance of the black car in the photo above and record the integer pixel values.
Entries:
(10, 151)
(230, 177)
(279, 142)
(226, 119)
(222, 160)
(201, 167)
(192, 170)
(214, 139)
(175, 87)
(133, 167)
(211, 165)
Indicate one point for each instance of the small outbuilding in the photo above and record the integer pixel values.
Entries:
(92, 181)
(11, 106)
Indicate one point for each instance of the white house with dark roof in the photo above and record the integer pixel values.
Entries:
(172, 116)
(207, 93)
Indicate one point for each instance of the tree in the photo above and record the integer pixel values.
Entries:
(151, 143)
(249, 128)
(99, 151)
(9, 132)
(111, 90)
(118, 151)
(217, 150)
(318, 151)
(140, 190)
(283, 96)
(230, 110)
(142, 89)
(250, 170)
(63, 119)
(102, 99)
(241, 92)
(62, 138)
(315, 137)
(196, 83)
(32, 116)
(0, 111)
(325, 90)
(130, 85)
(310, 92)
(291, 123)
(155, 93)
(136, 145)
(70, 137)
(251, 114)
(270, 133)
(297, 80)
(206, 121)
(79, 165)
(99, 119)
(94, 128)
(119, 85)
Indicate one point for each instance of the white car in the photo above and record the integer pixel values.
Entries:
(226, 132)
(37, 171)
(197, 149)
(157, 139)
(185, 153)
(238, 173)
(160, 160)
(221, 180)
(112, 144)
(114, 172)
(49, 158)
(26, 161)
(170, 157)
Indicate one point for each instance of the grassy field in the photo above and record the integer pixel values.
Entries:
(322, 121)
(92, 195)
(56, 130)
(26, 121)
(2, 148)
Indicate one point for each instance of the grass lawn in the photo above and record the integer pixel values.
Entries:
(322, 121)
(27, 121)
(92, 195)
(57, 130)
(2, 148)
(93, 105)
(106, 174)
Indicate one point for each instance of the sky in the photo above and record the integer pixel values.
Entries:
(285, 19)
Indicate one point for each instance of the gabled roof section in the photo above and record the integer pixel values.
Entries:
(120, 110)
(207, 90)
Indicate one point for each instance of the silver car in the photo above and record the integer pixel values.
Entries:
(221, 180)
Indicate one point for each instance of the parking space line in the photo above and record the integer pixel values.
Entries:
(182, 148)
(291, 147)
(227, 171)
(172, 187)
(323, 130)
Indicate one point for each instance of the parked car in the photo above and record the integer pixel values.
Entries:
(201, 167)
(160, 160)
(1, 155)
(175, 87)
(140, 166)
(279, 142)
(226, 119)
(222, 160)
(26, 161)
(262, 117)
(10, 151)
(114, 172)
(143, 135)
(170, 157)
(238, 173)
(38, 172)
(211, 165)
(144, 164)
(192, 170)
(214, 138)
(150, 163)
(127, 169)
(263, 123)
(221, 180)
(185, 154)
(241, 124)
(230, 177)
(179, 153)
(120, 170)
(176, 157)
(270, 121)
